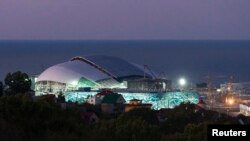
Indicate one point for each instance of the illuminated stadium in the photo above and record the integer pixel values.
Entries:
(97, 72)
(102, 72)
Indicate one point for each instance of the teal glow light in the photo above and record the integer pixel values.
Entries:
(158, 101)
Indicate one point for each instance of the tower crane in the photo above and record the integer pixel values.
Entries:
(209, 84)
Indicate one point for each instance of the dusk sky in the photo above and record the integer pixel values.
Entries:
(124, 19)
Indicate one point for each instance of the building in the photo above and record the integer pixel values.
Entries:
(202, 88)
(136, 104)
(95, 72)
(244, 99)
(241, 89)
(113, 103)
(152, 85)
(33, 79)
(200, 105)
(97, 99)
(245, 109)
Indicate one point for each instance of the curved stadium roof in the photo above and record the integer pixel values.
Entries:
(93, 68)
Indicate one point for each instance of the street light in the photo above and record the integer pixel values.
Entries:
(218, 90)
(182, 82)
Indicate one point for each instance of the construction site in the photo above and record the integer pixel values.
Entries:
(228, 97)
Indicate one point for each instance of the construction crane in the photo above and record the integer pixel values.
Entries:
(209, 84)
(229, 85)
(209, 79)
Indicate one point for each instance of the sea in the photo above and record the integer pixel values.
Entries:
(193, 60)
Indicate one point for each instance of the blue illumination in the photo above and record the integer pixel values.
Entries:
(164, 100)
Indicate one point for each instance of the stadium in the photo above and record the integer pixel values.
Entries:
(99, 72)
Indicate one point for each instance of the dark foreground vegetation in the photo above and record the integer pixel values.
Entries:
(25, 118)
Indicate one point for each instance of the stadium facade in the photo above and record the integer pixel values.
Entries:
(97, 72)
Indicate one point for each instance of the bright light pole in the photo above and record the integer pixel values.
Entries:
(182, 82)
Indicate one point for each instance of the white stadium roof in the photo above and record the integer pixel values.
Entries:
(93, 68)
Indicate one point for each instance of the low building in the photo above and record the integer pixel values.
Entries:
(146, 84)
(94, 100)
(202, 88)
(244, 99)
(97, 99)
(33, 79)
(245, 109)
(113, 103)
(241, 89)
(200, 105)
(136, 104)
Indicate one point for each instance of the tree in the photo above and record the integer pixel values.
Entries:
(1, 88)
(192, 132)
(143, 113)
(179, 117)
(196, 132)
(18, 82)
(61, 98)
(125, 130)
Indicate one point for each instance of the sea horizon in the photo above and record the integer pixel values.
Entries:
(193, 58)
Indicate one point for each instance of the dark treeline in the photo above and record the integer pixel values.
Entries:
(24, 117)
